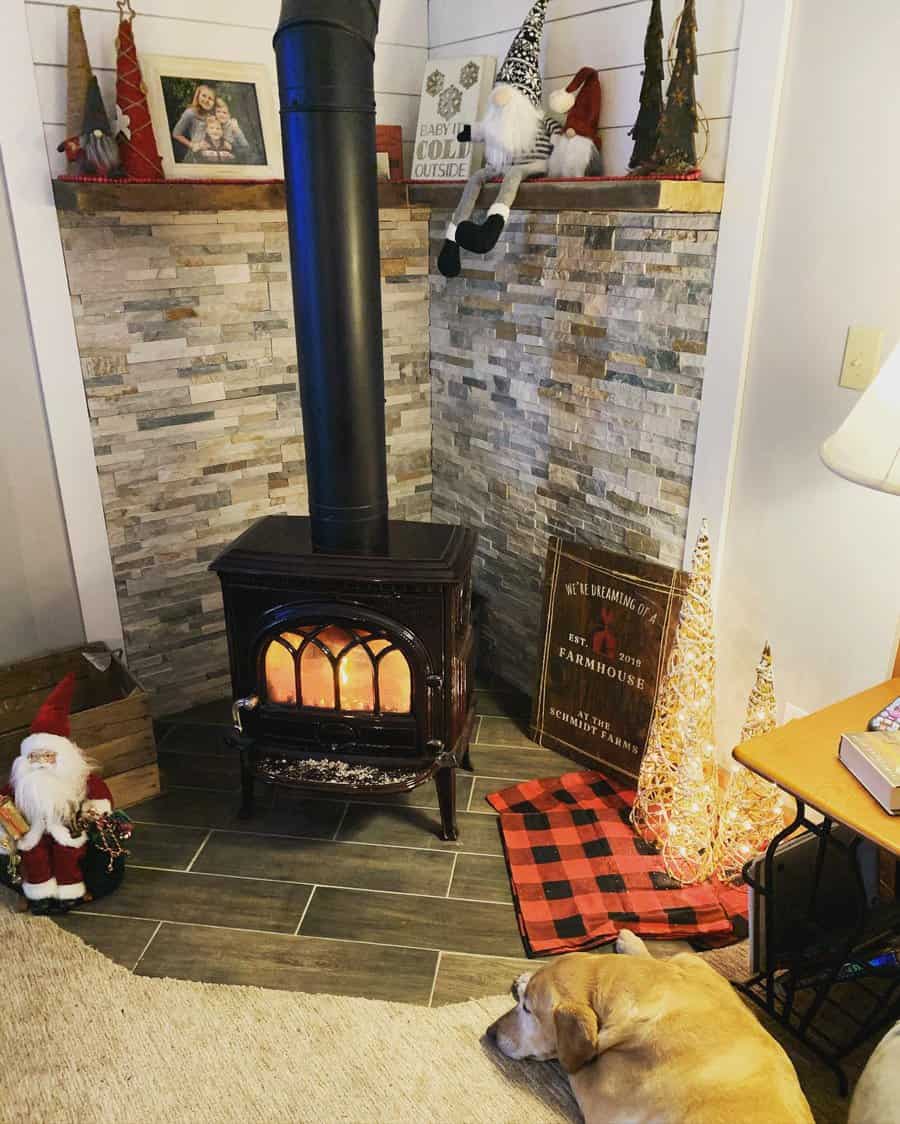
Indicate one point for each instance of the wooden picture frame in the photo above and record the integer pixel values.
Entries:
(213, 120)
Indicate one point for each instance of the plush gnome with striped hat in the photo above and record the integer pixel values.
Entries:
(53, 787)
(576, 151)
(517, 137)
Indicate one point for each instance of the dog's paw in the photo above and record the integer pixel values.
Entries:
(627, 944)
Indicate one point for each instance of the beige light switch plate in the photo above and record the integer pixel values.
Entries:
(862, 357)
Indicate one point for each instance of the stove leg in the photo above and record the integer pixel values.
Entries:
(445, 781)
(246, 809)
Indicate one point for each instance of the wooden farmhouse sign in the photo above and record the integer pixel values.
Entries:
(609, 622)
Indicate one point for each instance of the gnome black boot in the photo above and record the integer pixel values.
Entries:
(448, 259)
(480, 238)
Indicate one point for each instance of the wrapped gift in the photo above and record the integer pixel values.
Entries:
(11, 819)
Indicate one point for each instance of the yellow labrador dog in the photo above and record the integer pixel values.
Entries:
(648, 1041)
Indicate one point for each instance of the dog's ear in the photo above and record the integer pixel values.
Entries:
(576, 1035)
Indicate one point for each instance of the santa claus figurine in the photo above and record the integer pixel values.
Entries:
(517, 137)
(52, 785)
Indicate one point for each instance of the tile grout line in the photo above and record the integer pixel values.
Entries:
(452, 874)
(159, 925)
(305, 910)
(310, 936)
(325, 885)
(340, 823)
(318, 839)
(437, 968)
(189, 867)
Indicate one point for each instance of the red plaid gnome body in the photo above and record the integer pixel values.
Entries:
(53, 787)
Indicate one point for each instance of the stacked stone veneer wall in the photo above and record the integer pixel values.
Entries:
(185, 330)
(567, 369)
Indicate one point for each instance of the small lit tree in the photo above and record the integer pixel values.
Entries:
(752, 809)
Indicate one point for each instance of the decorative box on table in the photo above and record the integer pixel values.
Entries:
(110, 716)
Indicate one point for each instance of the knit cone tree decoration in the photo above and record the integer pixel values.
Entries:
(137, 145)
(676, 151)
(752, 809)
(78, 75)
(677, 793)
(646, 128)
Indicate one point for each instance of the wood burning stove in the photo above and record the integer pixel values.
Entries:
(352, 673)
(350, 636)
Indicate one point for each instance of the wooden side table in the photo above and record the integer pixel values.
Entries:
(802, 759)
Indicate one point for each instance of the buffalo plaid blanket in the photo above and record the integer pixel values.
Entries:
(580, 872)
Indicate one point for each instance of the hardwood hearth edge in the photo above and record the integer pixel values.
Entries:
(666, 196)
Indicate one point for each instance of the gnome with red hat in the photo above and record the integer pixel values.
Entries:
(53, 787)
(576, 151)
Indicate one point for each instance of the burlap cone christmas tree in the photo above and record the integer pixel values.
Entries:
(752, 809)
(677, 794)
(78, 74)
(137, 145)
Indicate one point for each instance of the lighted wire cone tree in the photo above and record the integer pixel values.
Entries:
(677, 793)
(752, 809)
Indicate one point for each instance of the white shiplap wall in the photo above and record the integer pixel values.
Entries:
(608, 35)
(234, 30)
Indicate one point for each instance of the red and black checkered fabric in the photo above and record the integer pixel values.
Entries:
(580, 872)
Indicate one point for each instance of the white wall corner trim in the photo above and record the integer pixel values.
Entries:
(765, 34)
(53, 330)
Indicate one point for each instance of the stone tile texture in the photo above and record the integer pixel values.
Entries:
(567, 368)
(186, 336)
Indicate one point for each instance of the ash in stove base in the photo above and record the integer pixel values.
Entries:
(293, 770)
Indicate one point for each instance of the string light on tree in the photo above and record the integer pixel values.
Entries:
(677, 794)
(752, 809)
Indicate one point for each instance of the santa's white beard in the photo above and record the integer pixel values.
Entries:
(509, 130)
(50, 794)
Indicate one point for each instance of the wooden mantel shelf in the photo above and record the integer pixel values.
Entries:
(686, 196)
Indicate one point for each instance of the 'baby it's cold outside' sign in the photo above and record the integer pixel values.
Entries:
(454, 93)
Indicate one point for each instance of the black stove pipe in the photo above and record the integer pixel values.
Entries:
(325, 51)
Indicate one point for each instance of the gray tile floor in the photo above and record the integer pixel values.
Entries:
(353, 898)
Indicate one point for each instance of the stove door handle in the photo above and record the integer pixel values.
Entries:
(434, 682)
(249, 703)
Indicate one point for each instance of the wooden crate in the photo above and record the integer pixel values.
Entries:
(110, 718)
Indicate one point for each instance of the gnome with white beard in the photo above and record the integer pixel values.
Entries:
(52, 785)
(517, 137)
(576, 151)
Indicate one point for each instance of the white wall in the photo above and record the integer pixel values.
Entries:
(812, 562)
(608, 35)
(233, 30)
(38, 601)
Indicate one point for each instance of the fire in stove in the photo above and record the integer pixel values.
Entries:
(328, 667)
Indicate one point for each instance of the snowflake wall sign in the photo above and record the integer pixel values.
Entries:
(435, 83)
(468, 75)
(450, 102)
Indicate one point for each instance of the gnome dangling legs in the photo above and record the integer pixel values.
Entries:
(517, 136)
(53, 787)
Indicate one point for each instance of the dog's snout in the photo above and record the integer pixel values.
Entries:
(492, 1032)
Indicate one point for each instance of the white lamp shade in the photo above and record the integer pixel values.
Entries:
(866, 448)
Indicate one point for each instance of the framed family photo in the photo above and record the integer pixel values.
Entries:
(213, 120)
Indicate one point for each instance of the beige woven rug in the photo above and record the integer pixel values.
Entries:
(84, 1041)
